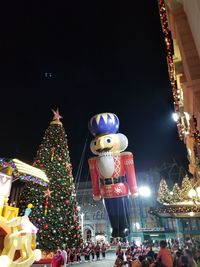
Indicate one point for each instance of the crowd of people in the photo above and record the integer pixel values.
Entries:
(170, 254)
(164, 254)
(89, 252)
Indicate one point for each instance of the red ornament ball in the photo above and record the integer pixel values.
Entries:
(45, 226)
(67, 202)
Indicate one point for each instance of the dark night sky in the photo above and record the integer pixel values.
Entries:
(103, 56)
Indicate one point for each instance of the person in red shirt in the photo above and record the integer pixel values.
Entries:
(120, 252)
(164, 255)
(58, 260)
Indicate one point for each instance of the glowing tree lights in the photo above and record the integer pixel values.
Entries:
(55, 210)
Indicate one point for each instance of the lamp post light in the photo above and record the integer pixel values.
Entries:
(194, 194)
(175, 116)
(144, 191)
(82, 216)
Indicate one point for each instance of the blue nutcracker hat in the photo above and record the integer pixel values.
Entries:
(103, 123)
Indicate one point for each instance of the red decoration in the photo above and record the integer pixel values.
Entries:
(67, 202)
(48, 193)
(45, 226)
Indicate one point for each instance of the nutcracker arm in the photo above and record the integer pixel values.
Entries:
(94, 178)
(130, 172)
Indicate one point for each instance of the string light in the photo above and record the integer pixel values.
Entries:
(170, 61)
(56, 212)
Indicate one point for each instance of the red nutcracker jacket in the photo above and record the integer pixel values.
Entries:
(113, 176)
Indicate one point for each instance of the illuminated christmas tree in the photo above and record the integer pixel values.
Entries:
(55, 210)
(186, 186)
(163, 192)
(176, 194)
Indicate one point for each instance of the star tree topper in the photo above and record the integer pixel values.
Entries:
(48, 193)
(56, 115)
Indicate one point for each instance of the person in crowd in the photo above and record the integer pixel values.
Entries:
(73, 255)
(150, 253)
(184, 261)
(87, 253)
(64, 255)
(164, 255)
(68, 255)
(150, 260)
(141, 258)
(136, 263)
(92, 251)
(154, 263)
(145, 263)
(189, 255)
(97, 250)
(119, 261)
(103, 251)
(128, 254)
(120, 252)
(198, 256)
(177, 258)
(78, 254)
(57, 260)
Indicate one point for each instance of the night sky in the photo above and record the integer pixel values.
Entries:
(86, 57)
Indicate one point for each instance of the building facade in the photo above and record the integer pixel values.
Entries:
(180, 20)
(94, 219)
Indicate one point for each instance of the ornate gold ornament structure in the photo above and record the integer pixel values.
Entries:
(17, 233)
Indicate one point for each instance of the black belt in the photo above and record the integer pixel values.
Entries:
(114, 180)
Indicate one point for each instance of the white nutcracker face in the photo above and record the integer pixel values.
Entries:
(105, 143)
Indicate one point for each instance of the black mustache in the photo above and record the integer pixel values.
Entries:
(104, 149)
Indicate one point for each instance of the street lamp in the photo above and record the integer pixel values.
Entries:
(82, 215)
(175, 116)
(194, 194)
(144, 191)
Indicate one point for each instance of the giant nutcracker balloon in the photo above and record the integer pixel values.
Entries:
(112, 171)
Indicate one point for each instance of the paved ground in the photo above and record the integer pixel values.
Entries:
(108, 262)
